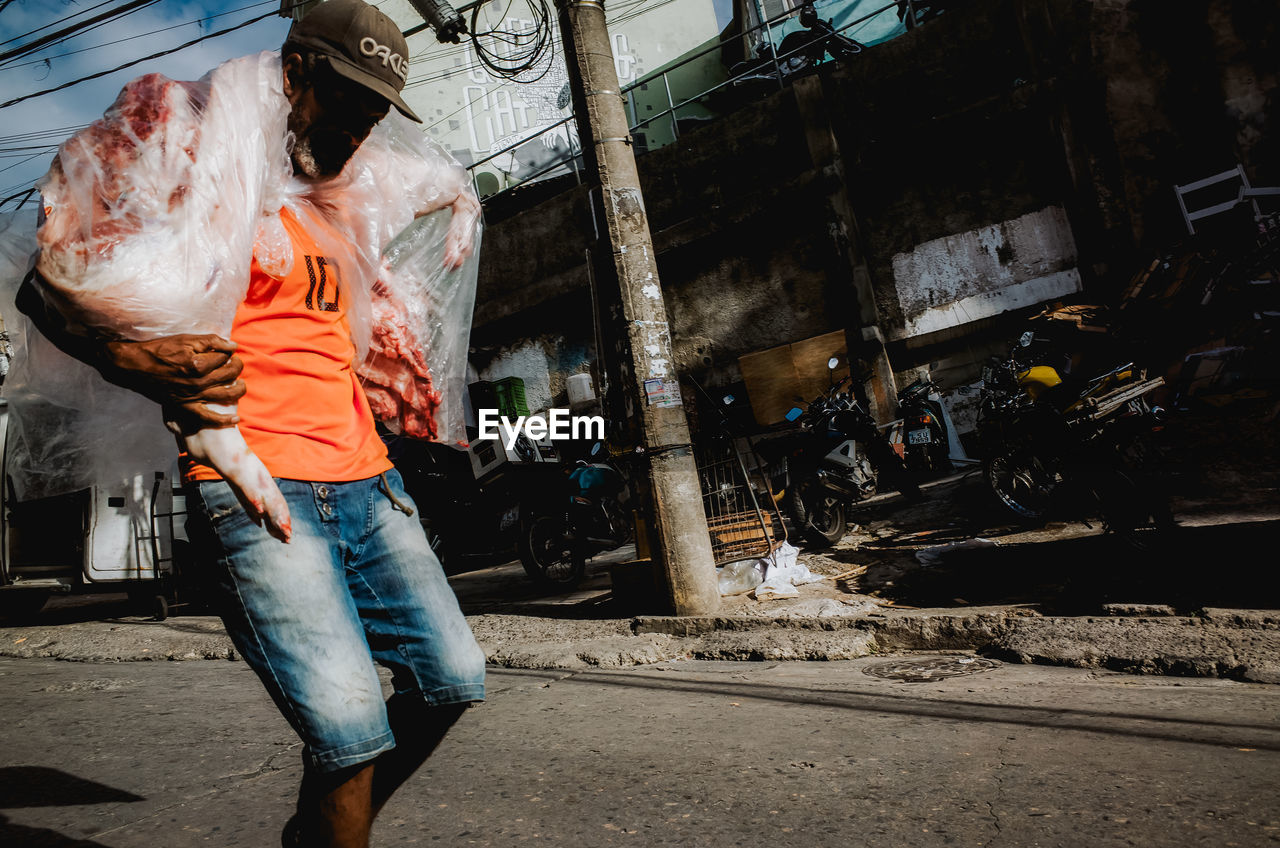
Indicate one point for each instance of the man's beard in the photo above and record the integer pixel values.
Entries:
(319, 155)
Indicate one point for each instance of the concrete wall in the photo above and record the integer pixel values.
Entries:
(1009, 153)
(954, 280)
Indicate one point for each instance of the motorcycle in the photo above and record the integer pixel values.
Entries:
(470, 522)
(925, 448)
(1054, 443)
(587, 516)
(799, 54)
(835, 456)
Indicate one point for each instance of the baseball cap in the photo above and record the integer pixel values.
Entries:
(361, 44)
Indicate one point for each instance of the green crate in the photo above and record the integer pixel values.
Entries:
(510, 394)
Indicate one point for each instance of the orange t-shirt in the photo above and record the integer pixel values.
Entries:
(304, 413)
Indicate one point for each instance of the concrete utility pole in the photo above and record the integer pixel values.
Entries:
(634, 318)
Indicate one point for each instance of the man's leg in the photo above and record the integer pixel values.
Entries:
(338, 809)
(414, 627)
(335, 810)
(419, 728)
(290, 613)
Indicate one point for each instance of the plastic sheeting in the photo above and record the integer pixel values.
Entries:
(68, 428)
(167, 246)
(415, 372)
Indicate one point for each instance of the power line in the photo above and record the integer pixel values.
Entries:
(24, 161)
(25, 49)
(53, 23)
(140, 35)
(194, 41)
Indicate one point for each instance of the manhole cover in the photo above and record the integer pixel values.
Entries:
(929, 668)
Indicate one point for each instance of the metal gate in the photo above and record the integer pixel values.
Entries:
(740, 527)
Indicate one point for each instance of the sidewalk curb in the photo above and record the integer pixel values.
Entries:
(1239, 645)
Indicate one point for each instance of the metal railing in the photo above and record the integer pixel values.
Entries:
(572, 160)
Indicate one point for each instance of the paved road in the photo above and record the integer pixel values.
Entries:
(682, 753)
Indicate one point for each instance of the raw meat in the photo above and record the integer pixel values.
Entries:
(150, 219)
(397, 379)
(393, 196)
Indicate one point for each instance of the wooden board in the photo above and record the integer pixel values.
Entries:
(791, 375)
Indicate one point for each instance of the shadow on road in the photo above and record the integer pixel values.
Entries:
(1151, 726)
(39, 786)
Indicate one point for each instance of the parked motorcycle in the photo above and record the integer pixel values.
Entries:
(586, 516)
(469, 522)
(1056, 443)
(835, 456)
(925, 448)
(799, 54)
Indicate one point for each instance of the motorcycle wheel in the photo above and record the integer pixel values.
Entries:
(547, 556)
(1018, 483)
(820, 516)
(1135, 513)
(939, 457)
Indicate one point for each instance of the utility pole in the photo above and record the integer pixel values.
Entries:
(634, 319)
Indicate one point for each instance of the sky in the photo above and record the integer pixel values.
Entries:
(159, 26)
(130, 37)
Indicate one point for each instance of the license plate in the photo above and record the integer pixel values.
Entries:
(918, 437)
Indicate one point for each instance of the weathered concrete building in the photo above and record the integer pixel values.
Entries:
(1009, 153)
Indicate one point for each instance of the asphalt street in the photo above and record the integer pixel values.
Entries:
(678, 753)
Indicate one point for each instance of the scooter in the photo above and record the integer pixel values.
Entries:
(470, 522)
(587, 516)
(799, 54)
(925, 448)
(836, 456)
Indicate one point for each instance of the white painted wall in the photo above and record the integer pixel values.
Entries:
(528, 362)
(960, 278)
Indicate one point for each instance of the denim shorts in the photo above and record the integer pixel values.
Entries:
(358, 584)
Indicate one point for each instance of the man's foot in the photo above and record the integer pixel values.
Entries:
(291, 836)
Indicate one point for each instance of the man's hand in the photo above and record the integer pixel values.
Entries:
(183, 373)
(459, 241)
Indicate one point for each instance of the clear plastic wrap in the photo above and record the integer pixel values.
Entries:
(415, 373)
(397, 175)
(151, 214)
(152, 211)
(68, 428)
(415, 331)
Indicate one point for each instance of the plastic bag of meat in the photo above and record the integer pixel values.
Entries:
(151, 215)
(414, 378)
(417, 326)
(415, 373)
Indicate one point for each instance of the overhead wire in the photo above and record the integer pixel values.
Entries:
(534, 45)
(133, 62)
(75, 29)
(61, 133)
(53, 23)
(141, 35)
(630, 11)
(527, 47)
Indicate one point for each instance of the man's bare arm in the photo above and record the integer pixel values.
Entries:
(459, 241)
(183, 373)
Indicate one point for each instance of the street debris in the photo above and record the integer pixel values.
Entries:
(784, 573)
(933, 555)
(735, 578)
